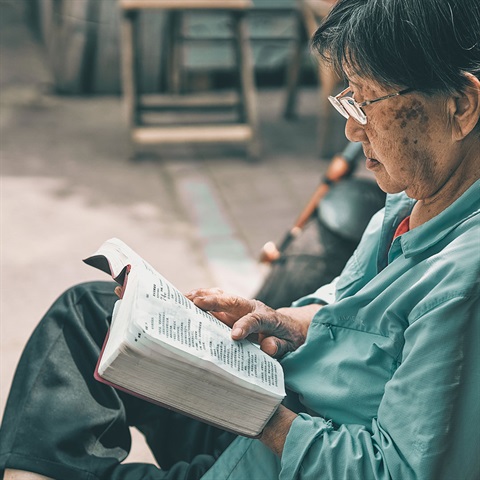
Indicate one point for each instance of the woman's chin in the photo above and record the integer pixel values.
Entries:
(387, 186)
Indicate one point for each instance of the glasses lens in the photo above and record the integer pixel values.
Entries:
(353, 110)
(338, 106)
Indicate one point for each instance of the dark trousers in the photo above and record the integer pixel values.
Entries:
(60, 422)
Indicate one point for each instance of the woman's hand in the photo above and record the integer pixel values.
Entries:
(276, 331)
(119, 291)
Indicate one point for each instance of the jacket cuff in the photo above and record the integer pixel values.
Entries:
(304, 430)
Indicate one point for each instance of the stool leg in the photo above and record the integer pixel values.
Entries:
(294, 67)
(247, 81)
(328, 81)
(129, 73)
(175, 52)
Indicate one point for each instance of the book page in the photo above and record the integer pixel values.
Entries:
(162, 314)
(165, 315)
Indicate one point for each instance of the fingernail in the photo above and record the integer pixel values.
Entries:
(237, 332)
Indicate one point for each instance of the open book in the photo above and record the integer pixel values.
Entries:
(163, 348)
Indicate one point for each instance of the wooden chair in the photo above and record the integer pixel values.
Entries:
(244, 131)
(310, 14)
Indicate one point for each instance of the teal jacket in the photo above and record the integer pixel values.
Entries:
(388, 379)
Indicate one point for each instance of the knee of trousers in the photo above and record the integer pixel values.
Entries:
(85, 308)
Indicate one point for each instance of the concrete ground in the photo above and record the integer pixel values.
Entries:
(200, 216)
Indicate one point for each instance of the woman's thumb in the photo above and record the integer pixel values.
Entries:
(275, 347)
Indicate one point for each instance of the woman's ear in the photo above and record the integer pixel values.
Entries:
(466, 108)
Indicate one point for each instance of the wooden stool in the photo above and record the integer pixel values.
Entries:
(244, 131)
(310, 14)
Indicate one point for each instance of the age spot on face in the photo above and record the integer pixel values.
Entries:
(401, 115)
(413, 112)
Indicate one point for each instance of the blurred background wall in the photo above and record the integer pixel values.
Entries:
(82, 42)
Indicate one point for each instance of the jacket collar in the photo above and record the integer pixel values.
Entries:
(425, 236)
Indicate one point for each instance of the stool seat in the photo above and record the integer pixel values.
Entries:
(186, 4)
(192, 134)
(141, 107)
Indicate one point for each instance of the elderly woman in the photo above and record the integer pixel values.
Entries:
(382, 365)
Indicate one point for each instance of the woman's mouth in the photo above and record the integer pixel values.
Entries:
(371, 163)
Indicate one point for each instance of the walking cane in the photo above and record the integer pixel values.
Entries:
(340, 167)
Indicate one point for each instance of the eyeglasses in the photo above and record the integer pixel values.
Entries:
(348, 107)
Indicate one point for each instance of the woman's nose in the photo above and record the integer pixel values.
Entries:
(354, 131)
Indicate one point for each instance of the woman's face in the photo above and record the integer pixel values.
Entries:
(407, 140)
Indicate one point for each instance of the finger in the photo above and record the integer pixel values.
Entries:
(225, 318)
(119, 292)
(263, 324)
(275, 347)
(249, 324)
(231, 304)
(202, 292)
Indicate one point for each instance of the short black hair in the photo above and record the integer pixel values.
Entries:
(427, 45)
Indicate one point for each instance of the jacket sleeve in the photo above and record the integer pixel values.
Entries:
(427, 422)
(325, 295)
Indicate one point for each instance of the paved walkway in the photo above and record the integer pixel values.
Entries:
(200, 216)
